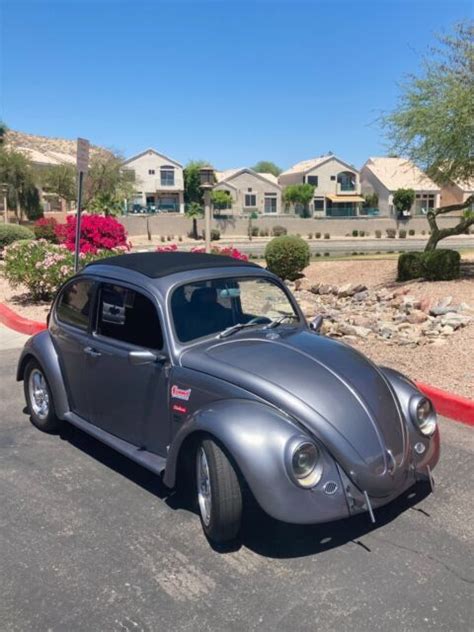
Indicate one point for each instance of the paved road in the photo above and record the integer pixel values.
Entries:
(90, 541)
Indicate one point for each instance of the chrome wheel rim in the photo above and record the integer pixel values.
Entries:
(39, 394)
(204, 486)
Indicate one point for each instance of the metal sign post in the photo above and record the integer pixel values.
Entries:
(82, 163)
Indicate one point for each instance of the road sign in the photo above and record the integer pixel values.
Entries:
(82, 156)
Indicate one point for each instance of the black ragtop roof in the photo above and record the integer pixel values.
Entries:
(160, 264)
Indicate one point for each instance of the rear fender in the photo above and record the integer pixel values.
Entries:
(41, 348)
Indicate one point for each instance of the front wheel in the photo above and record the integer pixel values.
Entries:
(219, 493)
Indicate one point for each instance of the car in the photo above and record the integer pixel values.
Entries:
(203, 369)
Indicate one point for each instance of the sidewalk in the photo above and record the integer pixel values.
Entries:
(10, 339)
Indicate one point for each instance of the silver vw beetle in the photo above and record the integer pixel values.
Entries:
(203, 369)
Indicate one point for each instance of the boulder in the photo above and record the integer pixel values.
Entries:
(363, 295)
(345, 290)
(416, 317)
(324, 288)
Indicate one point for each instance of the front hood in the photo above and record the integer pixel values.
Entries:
(334, 391)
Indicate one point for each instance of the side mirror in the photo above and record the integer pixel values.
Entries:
(316, 324)
(138, 358)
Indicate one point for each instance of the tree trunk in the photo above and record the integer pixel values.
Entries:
(437, 234)
(195, 228)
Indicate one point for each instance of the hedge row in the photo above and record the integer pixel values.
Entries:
(434, 265)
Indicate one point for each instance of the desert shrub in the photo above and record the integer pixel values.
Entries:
(318, 235)
(215, 234)
(410, 266)
(411, 232)
(12, 232)
(378, 234)
(362, 233)
(441, 265)
(278, 231)
(45, 228)
(254, 231)
(391, 233)
(287, 256)
(326, 254)
(318, 254)
(169, 238)
(97, 233)
(423, 232)
(402, 233)
(327, 236)
(355, 233)
(42, 266)
(162, 239)
(180, 238)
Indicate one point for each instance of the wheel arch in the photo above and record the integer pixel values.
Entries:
(41, 349)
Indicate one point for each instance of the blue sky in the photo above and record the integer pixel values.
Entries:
(229, 82)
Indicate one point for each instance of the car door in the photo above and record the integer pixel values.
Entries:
(129, 401)
(70, 334)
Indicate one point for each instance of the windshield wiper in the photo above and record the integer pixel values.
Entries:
(281, 320)
(234, 328)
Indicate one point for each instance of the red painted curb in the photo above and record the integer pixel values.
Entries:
(18, 323)
(450, 405)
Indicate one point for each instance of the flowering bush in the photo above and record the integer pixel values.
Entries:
(97, 233)
(227, 251)
(42, 266)
(45, 228)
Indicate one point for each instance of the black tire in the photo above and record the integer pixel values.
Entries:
(223, 524)
(47, 422)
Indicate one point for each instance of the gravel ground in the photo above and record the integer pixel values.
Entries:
(450, 367)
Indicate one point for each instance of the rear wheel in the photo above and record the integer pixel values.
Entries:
(39, 398)
(219, 493)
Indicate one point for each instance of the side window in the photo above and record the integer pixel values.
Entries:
(128, 316)
(74, 303)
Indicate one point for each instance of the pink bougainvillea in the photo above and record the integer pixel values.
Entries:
(97, 233)
(227, 251)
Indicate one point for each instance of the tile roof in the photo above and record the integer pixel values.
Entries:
(228, 174)
(400, 173)
(306, 165)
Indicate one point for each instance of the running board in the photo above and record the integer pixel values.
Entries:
(151, 461)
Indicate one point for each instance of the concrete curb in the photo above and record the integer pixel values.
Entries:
(18, 323)
(450, 405)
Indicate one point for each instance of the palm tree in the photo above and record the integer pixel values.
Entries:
(194, 211)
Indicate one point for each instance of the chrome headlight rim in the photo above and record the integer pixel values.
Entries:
(423, 415)
(314, 474)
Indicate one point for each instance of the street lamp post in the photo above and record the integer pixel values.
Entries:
(206, 175)
(4, 188)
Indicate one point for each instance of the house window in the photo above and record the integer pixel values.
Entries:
(167, 176)
(312, 180)
(151, 172)
(250, 200)
(270, 203)
(319, 204)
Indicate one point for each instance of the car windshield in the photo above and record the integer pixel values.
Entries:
(222, 306)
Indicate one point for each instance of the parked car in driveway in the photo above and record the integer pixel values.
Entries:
(203, 369)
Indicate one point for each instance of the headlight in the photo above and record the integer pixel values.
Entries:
(424, 416)
(304, 464)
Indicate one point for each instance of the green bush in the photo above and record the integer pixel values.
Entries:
(441, 265)
(378, 234)
(423, 232)
(12, 232)
(411, 232)
(410, 266)
(287, 256)
(254, 231)
(362, 233)
(278, 231)
(327, 236)
(355, 233)
(310, 235)
(391, 233)
(318, 235)
(42, 266)
(402, 233)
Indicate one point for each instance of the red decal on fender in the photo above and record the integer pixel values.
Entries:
(180, 393)
(177, 408)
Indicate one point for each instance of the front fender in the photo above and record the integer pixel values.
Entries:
(41, 348)
(256, 435)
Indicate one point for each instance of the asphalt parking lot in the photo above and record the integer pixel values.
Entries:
(90, 541)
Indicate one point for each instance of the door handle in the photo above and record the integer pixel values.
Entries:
(92, 352)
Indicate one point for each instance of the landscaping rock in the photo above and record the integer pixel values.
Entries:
(416, 317)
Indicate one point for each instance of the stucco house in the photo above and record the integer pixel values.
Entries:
(385, 175)
(250, 191)
(159, 182)
(337, 185)
(456, 192)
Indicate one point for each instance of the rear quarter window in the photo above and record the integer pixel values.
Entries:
(74, 303)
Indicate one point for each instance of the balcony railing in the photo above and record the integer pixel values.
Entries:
(341, 211)
(347, 187)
